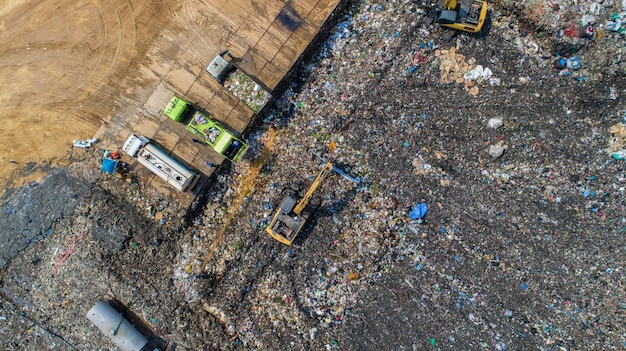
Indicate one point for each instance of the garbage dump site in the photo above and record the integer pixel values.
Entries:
(487, 211)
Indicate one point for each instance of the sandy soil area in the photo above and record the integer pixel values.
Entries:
(63, 66)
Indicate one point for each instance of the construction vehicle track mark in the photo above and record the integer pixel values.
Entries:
(244, 190)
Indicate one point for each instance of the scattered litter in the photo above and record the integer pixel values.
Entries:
(573, 63)
(419, 211)
(407, 136)
(478, 72)
(496, 150)
(86, 143)
(495, 123)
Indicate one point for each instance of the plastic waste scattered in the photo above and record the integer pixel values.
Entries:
(565, 73)
(478, 72)
(495, 150)
(200, 118)
(619, 155)
(419, 211)
(573, 63)
(613, 25)
(85, 144)
(331, 293)
(560, 63)
(495, 123)
(345, 175)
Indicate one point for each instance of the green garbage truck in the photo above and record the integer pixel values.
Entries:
(208, 130)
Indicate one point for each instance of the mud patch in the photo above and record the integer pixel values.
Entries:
(31, 212)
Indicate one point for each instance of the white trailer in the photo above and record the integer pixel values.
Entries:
(160, 163)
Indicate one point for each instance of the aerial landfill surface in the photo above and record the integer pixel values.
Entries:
(488, 212)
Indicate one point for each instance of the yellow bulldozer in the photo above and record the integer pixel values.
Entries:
(465, 15)
(293, 213)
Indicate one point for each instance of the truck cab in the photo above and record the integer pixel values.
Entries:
(176, 109)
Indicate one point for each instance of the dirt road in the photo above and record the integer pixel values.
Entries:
(63, 68)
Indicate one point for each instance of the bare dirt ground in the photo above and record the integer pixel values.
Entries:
(63, 67)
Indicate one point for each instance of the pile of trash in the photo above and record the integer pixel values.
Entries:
(455, 68)
(566, 28)
(489, 220)
(364, 233)
(364, 239)
(617, 142)
(248, 91)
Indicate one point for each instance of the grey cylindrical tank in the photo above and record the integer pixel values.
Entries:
(116, 327)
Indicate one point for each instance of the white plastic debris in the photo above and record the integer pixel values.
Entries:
(613, 25)
(86, 143)
(495, 122)
(573, 63)
(495, 151)
(619, 155)
(478, 72)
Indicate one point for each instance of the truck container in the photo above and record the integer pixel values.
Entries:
(238, 82)
(160, 163)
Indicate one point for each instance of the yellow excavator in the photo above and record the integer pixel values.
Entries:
(465, 15)
(293, 212)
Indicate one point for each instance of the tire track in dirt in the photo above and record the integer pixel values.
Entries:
(64, 66)
(61, 78)
(115, 35)
(203, 17)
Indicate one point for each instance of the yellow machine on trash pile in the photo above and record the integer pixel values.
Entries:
(293, 212)
(465, 15)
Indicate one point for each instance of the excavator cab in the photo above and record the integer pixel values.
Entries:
(294, 210)
(465, 15)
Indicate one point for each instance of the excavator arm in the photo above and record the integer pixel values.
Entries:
(326, 170)
(449, 4)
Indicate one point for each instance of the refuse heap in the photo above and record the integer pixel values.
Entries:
(522, 244)
(247, 90)
(507, 169)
